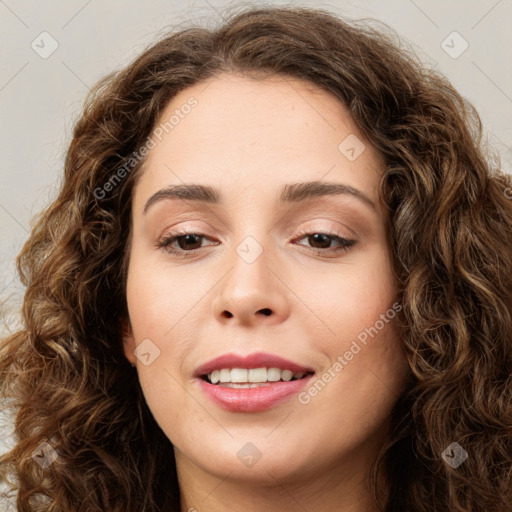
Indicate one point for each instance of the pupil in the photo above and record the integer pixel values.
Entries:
(317, 237)
(186, 239)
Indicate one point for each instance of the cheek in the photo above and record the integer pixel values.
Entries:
(365, 370)
(365, 366)
(351, 295)
(160, 301)
(155, 316)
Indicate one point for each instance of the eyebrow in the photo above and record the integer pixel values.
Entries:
(290, 193)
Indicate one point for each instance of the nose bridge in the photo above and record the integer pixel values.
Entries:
(252, 247)
(250, 287)
(250, 274)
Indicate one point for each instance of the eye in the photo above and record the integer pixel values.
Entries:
(188, 243)
(320, 242)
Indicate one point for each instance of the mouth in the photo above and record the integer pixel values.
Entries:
(251, 382)
(247, 378)
(245, 396)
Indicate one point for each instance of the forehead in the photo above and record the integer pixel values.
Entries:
(272, 110)
(243, 132)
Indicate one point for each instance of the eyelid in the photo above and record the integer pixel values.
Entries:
(289, 230)
(308, 227)
(189, 226)
(337, 227)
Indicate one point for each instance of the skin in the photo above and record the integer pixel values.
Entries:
(248, 138)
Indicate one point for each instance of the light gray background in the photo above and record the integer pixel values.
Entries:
(41, 98)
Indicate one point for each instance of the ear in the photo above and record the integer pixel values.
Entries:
(128, 340)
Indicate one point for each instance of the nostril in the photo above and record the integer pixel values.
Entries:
(266, 312)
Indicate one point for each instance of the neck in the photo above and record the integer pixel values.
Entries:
(341, 488)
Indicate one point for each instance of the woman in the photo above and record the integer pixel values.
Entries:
(338, 334)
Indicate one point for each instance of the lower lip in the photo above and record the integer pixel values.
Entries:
(252, 399)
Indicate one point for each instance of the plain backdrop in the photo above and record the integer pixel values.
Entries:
(41, 94)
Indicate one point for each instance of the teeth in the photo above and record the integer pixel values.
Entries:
(225, 375)
(256, 375)
(244, 378)
(246, 385)
(286, 375)
(239, 375)
(274, 374)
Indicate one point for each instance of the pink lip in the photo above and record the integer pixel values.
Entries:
(255, 360)
(252, 399)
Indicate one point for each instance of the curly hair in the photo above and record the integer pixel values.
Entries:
(450, 229)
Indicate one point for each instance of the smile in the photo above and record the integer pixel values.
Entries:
(252, 396)
(253, 377)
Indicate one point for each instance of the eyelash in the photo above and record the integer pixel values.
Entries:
(165, 242)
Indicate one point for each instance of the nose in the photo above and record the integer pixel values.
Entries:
(252, 292)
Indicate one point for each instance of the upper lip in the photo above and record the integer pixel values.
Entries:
(254, 360)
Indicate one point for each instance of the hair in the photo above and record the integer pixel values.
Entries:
(64, 372)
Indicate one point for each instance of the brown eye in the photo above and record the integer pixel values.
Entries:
(187, 243)
(321, 242)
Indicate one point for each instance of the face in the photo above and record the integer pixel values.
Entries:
(263, 264)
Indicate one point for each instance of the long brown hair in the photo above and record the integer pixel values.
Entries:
(65, 375)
